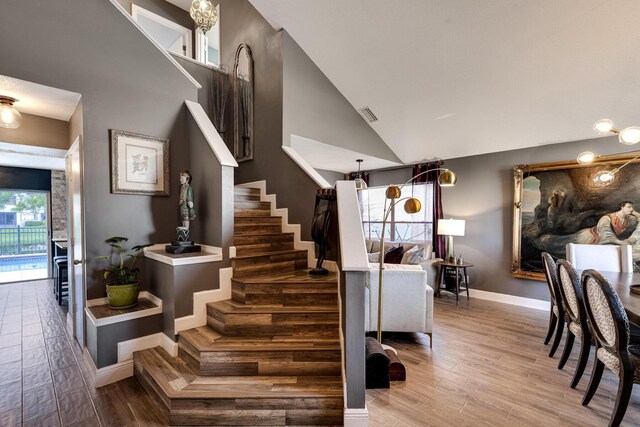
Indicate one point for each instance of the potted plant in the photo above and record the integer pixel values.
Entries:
(123, 287)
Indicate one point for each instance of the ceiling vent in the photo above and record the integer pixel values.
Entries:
(368, 114)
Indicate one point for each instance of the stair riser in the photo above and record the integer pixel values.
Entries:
(259, 220)
(268, 264)
(252, 204)
(246, 198)
(238, 191)
(223, 363)
(287, 294)
(243, 250)
(151, 387)
(261, 325)
(261, 239)
(252, 229)
(251, 212)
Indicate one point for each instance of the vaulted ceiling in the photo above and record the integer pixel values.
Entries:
(453, 78)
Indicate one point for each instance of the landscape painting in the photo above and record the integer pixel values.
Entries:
(559, 203)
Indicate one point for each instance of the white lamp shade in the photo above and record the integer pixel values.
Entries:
(451, 227)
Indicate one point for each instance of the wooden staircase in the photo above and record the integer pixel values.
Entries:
(268, 356)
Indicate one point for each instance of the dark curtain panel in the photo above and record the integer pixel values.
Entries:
(353, 175)
(432, 177)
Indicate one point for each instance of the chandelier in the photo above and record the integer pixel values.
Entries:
(204, 13)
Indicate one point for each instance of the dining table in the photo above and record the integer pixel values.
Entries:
(621, 283)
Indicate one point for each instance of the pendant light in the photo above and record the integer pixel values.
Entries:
(9, 117)
(204, 13)
(360, 183)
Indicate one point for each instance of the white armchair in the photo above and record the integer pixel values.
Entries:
(407, 303)
(600, 257)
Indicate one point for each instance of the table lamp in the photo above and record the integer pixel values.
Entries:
(450, 228)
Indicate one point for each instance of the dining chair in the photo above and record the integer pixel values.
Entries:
(577, 326)
(556, 315)
(610, 327)
(600, 257)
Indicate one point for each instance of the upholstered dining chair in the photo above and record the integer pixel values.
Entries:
(600, 257)
(610, 327)
(577, 326)
(556, 315)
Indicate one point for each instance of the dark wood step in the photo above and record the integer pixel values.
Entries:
(239, 213)
(190, 399)
(258, 220)
(210, 353)
(269, 263)
(252, 204)
(244, 191)
(253, 229)
(248, 244)
(233, 319)
(246, 198)
(296, 288)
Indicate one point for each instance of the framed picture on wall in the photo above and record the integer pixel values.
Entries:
(139, 164)
(559, 203)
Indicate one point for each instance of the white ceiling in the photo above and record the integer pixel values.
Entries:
(458, 78)
(39, 100)
(329, 157)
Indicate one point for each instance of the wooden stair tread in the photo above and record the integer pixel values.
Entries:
(230, 306)
(295, 276)
(270, 253)
(205, 339)
(167, 372)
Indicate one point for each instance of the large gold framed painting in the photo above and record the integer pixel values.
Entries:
(559, 203)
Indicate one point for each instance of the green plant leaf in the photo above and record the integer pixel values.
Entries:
(116, 239)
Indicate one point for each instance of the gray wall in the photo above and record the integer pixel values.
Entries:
(331, 176)
(39, 132)
(89, 47)
(483, 197)
(314, 108)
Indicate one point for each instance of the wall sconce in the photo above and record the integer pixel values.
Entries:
(10, 118)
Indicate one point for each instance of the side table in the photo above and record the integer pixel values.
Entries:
(444, 266)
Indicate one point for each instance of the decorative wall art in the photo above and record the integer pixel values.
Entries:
(559, 203)
(243, 108)
(139, 164)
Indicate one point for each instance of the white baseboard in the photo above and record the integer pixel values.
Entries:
(283, 213)
(126, 348)
(357, 417)
(200, 300)
(70, 325)
(108, 374)
(510, 299)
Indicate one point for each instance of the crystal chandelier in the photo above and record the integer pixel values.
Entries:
(204, 14)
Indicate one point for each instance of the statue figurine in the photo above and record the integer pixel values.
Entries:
(186, 213)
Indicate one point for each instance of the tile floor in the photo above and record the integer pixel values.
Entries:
(41, 381)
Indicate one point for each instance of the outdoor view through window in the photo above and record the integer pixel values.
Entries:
(23, 236)
(401, 226)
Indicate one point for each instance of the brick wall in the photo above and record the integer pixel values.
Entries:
(59, 204)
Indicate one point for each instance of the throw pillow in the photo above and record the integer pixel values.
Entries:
(374, 257)
(416, 257)
(394, 255)
(407, 254)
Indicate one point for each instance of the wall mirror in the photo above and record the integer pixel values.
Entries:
(243, 100)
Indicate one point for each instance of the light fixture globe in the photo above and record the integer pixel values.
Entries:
(412, 206)
(603, 178)
(393, 192)
(630, 135)
(586, 158)
(361, 184)
(603, 127)
(204, 14)
(10, 118)
(447, 178)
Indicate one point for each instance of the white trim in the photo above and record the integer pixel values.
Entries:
(208, 254)
(306, 167)
(187, 34)
(200, 301)
(352, 245)
(210, 133)
(126, 348)
(283, 213)
(69, 324)
(356, 417)
(108, 374)
(126, 316)
(510, 299)
(160, 48)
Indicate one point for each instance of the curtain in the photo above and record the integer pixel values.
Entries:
(353, 175)
(432, 177)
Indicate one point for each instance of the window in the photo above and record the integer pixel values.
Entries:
(401, 226)
(171, 36)
(208, 45)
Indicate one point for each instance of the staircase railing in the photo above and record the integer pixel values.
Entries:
(354, 266)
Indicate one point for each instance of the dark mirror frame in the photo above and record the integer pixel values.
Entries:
(243, 112)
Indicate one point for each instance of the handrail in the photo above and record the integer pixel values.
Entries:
(352, 244)
(306, 167)
(210, 133)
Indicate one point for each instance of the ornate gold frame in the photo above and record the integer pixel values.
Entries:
(519, 172)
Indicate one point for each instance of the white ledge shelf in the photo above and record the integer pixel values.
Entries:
(100, 314)
(208, 254)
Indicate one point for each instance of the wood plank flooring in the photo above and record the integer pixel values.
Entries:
(489, 367)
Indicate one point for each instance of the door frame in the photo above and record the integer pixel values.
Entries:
(76, 289)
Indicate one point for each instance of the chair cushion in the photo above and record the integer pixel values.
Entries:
(577, 330)
(394, 255)
(612, 362)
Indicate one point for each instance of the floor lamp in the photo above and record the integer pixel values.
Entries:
(411, 205)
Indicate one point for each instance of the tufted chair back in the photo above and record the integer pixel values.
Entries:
(600, 257)
(605, 312)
